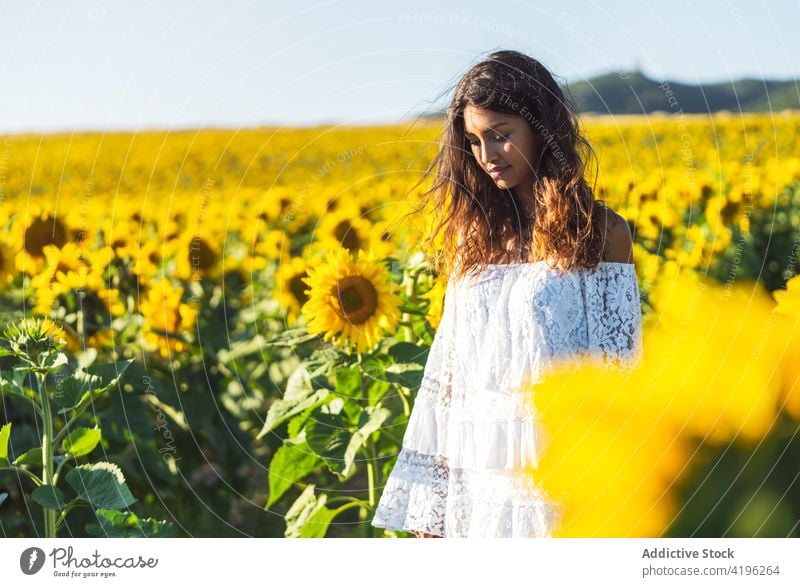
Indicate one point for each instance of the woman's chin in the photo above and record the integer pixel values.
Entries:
(503, 183)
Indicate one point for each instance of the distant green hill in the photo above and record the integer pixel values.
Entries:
(635, 93)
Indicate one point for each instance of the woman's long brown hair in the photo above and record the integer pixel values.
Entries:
(477, 217)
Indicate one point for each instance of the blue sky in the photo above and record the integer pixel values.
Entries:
(134, 65)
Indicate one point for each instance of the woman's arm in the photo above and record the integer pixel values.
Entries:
(419, 534)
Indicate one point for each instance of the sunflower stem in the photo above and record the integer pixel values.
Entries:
(48, 447)
(29, 474)
(371, 453)
(374, 481)
(408, 330)
(79, 322)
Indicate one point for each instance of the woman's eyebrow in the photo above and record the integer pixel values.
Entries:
(492, 127)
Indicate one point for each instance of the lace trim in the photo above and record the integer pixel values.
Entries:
(424, 494)
(415, 496)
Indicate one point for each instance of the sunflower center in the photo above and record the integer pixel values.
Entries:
(358, 299)
(298, 288)
(347, 236)
(63, 267)
(43, 232)
(729, 211)
(201, 254)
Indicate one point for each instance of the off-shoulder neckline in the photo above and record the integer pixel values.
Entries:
(603, 262)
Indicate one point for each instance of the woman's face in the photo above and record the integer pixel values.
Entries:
(504, 146)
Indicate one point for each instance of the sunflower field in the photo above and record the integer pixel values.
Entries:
(221, 333)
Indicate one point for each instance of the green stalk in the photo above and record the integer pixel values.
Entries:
(373, 475)
(334, 500)
(64, 513)
(371, 480)
(79, 314)
(58, 469)
(372, 472)
(406, 317)
(370, 461)
(343, 508)
(22, 471)
(406, 406)
(48, 446)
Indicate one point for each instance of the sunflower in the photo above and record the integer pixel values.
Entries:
(787, 312)
(145, 259)
(34, 335)
(73, 277)
(648, 266)
(7, 268)
(32, 234)
(614, 444)
(198, 256)
(273, 246)
(436, 296)
(167, 317)
(352, 300)
(290, 287)
(383, 238)
(606, 464)
(275, 203)
(788, 299)
(347, 231)
(653, 218)
(74, 269)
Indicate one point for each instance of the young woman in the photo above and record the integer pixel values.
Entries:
(538, 270)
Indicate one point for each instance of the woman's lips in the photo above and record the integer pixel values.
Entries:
(498, 171)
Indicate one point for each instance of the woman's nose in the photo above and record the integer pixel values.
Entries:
(488, 154)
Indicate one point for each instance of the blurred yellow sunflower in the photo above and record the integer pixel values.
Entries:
(74, 269)
(384, 237)
(345, 230)
(7, 268)
(607, 460)
(787, 312)
(146, 259)
(647, 264)
(275, 203)
(290, 287)
(352, 300)
(198, 256)
(436, 296)
(788, 299)
(613, 444)
(273, 246)
(167, 317)
(32, 233)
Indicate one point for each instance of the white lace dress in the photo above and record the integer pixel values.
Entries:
(471, 427)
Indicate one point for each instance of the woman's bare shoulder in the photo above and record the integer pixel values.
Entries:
(617, 239)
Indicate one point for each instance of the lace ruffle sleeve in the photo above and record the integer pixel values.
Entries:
(614, 314)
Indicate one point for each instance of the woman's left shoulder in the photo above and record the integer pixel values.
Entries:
(617, 238)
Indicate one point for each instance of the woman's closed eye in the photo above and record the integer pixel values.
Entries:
(499, 138)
